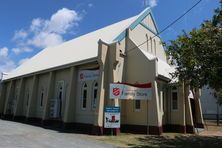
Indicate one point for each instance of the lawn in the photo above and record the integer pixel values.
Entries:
(169, 140)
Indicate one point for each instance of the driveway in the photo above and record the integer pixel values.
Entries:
(18, 135)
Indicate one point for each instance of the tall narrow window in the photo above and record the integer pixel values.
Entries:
(94, 97)
(41, 97)
(174, 100)
(154, 42)
(151, 45)
(60, 93)
(84, 96)
(147, 42)
(137, 105)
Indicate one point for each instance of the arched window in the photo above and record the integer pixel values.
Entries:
(94, 94)
(84, 95)
(151, 45)
(154, 42)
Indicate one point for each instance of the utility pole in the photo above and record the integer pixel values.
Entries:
(1, 75)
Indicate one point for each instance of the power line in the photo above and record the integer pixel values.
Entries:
(168, 26)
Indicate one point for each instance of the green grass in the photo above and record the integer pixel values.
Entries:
(168, 140)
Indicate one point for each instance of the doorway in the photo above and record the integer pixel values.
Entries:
(193, 109)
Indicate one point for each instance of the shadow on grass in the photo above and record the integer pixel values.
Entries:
(179, 142)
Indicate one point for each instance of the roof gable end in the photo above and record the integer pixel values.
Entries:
(147, 13)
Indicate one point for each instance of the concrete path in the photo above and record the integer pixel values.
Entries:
(18, 135)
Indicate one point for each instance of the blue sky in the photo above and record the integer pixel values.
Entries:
(28, 26)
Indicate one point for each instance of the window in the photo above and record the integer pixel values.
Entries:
(174, 100)
(154, 42)
(94, 95)
(60, 93)
(84, 96)
(160, 99)
(147, 43)
(151, 45)
(137, 105)
(41, 97)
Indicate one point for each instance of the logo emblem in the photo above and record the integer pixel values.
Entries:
(116, 91)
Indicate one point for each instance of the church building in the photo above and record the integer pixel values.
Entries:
(69, 84)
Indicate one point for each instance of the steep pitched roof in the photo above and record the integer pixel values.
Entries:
(78, 49)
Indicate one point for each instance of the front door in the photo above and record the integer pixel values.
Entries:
(193, 109)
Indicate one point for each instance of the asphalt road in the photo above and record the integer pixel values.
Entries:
(18, 135)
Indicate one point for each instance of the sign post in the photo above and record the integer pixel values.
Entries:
(126, 91)
(112, 118)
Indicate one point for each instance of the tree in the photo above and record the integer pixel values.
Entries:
(197, 55)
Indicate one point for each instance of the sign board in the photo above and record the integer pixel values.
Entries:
(112, 117)
(88, 75)
(131, 91)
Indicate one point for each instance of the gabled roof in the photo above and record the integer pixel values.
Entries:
(78, 49)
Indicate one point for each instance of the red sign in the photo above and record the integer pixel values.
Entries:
(116, 91)
(131, 91)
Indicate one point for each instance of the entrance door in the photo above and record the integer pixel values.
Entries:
(193, 109)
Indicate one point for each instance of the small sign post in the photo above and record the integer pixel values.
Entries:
(126, 91)
(112, 118)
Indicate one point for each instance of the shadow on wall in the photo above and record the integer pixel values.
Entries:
(181, 141)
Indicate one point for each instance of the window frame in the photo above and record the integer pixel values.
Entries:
(172, 100)
(154, 43)
(135, 106)
(41, 97)
(94, 99)
(82, 96)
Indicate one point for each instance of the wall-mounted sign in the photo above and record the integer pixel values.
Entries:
(112, 117)
(85, 75)
(130, 91)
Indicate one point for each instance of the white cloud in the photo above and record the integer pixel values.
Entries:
(7, 65)
(3, 52)
(46, 39)
(63, 20)
(41, 33)
(151, 3)
(45, 33)
(90, 5)
(21, 50)
(36, 24)
(22, 61)
(21, 34)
